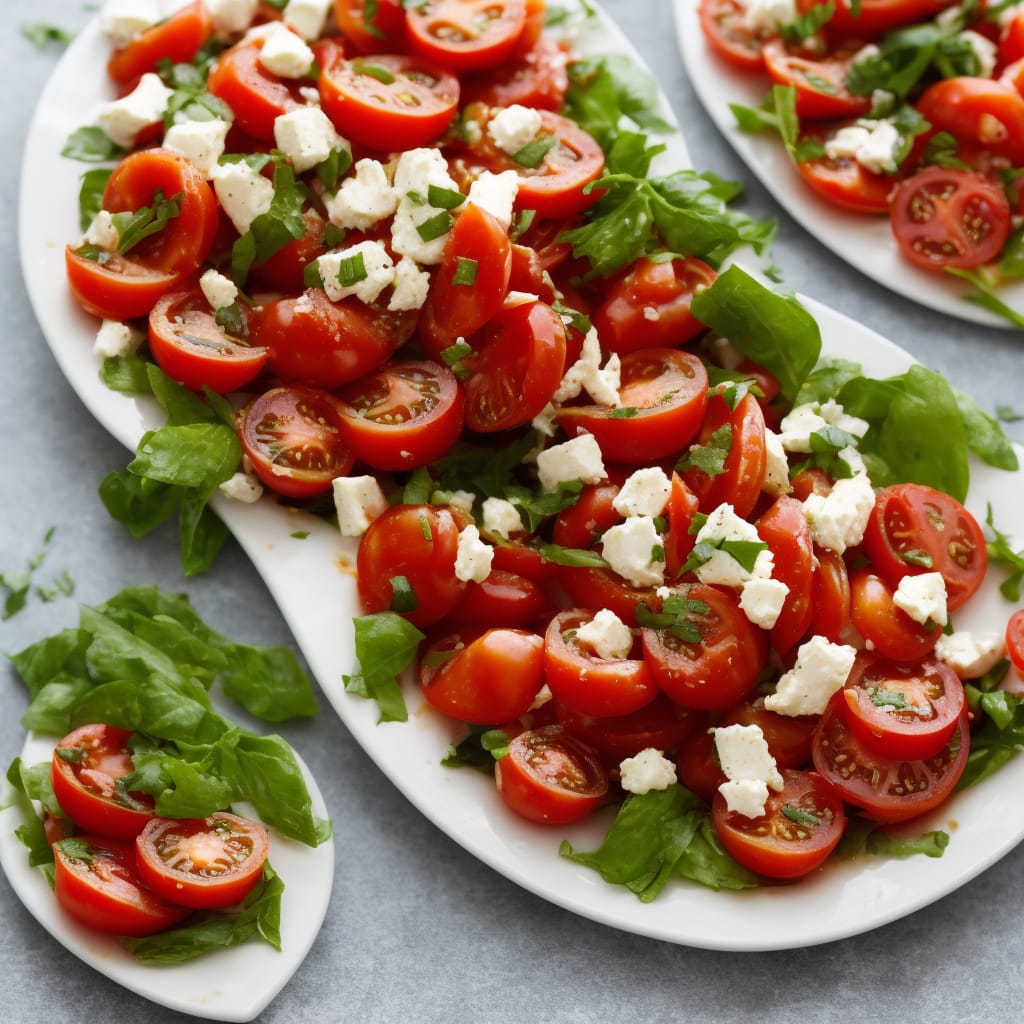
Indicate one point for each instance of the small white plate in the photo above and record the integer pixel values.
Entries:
(232, 984)
(865, 242)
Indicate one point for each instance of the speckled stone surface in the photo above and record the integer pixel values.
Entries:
(418, 930)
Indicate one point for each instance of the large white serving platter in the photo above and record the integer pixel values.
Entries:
(312, 581)
(865, 242)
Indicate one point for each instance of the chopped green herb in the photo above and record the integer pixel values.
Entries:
(465, 271)
(436, 226)
(132, 228)
(382, 74)
(801, 817)
(533, 153)
(444, 198)
(403, 597)
(42, 35)
(351, 270)
(91, 144)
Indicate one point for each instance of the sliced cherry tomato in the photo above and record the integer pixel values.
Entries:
(1015, 641)
(466, 35)
(820, 82)
(650, 306)
(844, 181)
(85, 770)
(372, 28)
(582, 523)
(117, 288)
(664, 397)
(312, 340)
(404, 415)
(914, 529)
(740, 482)
(888, 789)
(203, 863)
(869, 18)
(800, 827)
(727, 30)
(788, 738)
(537, 77)
(193, 349)
(947, 217)
(903, 710)
(831, 600)
(524, 560)
(177, 38)
(683, 506)
(784, 529)
(697, 765)
(551, 777)
(516, 365)
(483, 676)
(587, 683)
(418, 543)
(388, 101)
(505, 598)
(981, 110)
(97, 884)
(470, 285)
(604, 588)
(721, 666)
(893, 633)
(293, 438)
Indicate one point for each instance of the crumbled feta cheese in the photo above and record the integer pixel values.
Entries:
(606, 635)
(378, 271)
(284, 54)
(416, 171)
(358, 500)
(762, 600)
(517, 298)
(117, 339)
(122, 20)
(307, 17)
(123, 119)
(364, 198)
(796, 428)
(984, 51)
(544, 695)
(501, 517)
(462, 499)
(231, 16)
(776, 469)
(307, 137)
(244, 194)
(871, 143)
(722, 524)
(647, 770)
(644, 493)
(242, 487)
(838, 520)
(495, 193)
(576, 459)
(102, 233)
(412, 286)
(821, 669)
(634, 549)
(544, 421)
(971, 655)
(473, 557)
(766, 17)
(587, 375)
(202, 142)
(514, 127)
(923, 597)
(220, 291)
(835, 416)
(748, 766)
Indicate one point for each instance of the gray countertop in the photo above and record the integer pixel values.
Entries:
(417, 928)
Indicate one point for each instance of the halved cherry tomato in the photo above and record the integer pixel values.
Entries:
(784, 529)
(193, 349)
(537, 78)
(914, 529)
(844, 181)
(820, 82)
(483, 676)
(868, 18)
(727, 30)
(202, 863)
(524, 560)
(604, 588)
(1015, 641)
(831, 602)
(403, 415)
(466, 35)
(551, 777)
(947, 217)
(582, 523)
(96, 883)
(721, 667)
(516, 365)
(292, 436)
(697, 765)
(887, 789)
(800, 827)
(505, 598)
(679, 541)
(388, 101)
(419, 543)
(85, 770)
(903, 710)
(893, 633)
(177, 38)
(376, 28)
(650, 306)
(981, 110)
(587, 683)
(664, 397)
(788, 738)
(118, 288)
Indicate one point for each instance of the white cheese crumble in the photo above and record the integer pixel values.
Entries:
(923, 597)
(285, 54)
(117, 339)
(586, 374)
(722, 524)
(220, 291)
(762, 601)
(495, 193)
(872, 143)
(821, 669)
(307, 17)
(244, 194)
(377, 271)
(473, 558)
(231, 16)
(838, 520)
(647, 770)
(102, 233)
(307, 137)
(501, 517)
(358, 500)
(645, 492)
(123, 119)
(634, 549)
(364, 198)
(122, 20)
(971, 655)
(514, 127)
(606, 635)
(576, 459)
(412, 285)
(766, 17)
(776, 469)
(796, 428)
(202, 142)
(749, 769)
(416, 171)
(243, 487)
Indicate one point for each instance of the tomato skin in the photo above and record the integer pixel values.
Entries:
(493, 678)
(536, 78)
(404, 415)
(650, 306)
(788, 738)
(668, 389)
(466, 35)
(977, 110)
(119, 290)
(887, 789)
(893, 633)
(284, 271)
(796, 67)
(550, 777)
(384, 33)
(85, 787)
(292, 436)
(1015, 641)
(930, 687)
(587, 683)
(873, 17)
(772, 844)
(845, 182)
(730, 37)
(105, 894)
(505, 598)
(202, 863)
(398, 543)
(784, 529)
(177, 38)
(582, 523)
(932, 528)
(830, 613)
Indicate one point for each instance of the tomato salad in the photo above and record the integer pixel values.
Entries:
(610, 510)
(907, 108)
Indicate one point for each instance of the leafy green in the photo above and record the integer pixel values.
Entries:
(1001, 552)
(90, 144)
(868, 837)
(385, 646)
(31, 831)
(709, 458)
(90, 195)
(778, 113)
(190, 100)
(479, 749)
(41, 35)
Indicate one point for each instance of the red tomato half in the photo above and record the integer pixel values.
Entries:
(85, 769)
(202, 863)
(177, 38)
(800, 827)
(536, 78)
(869, 18)
(727, 30)
(466, 35)
(1015, 641)
(876, 617)
(102, 890)
(845, 182)
(784, 529)
(550, 777)
(372, 28)
(820, 82)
